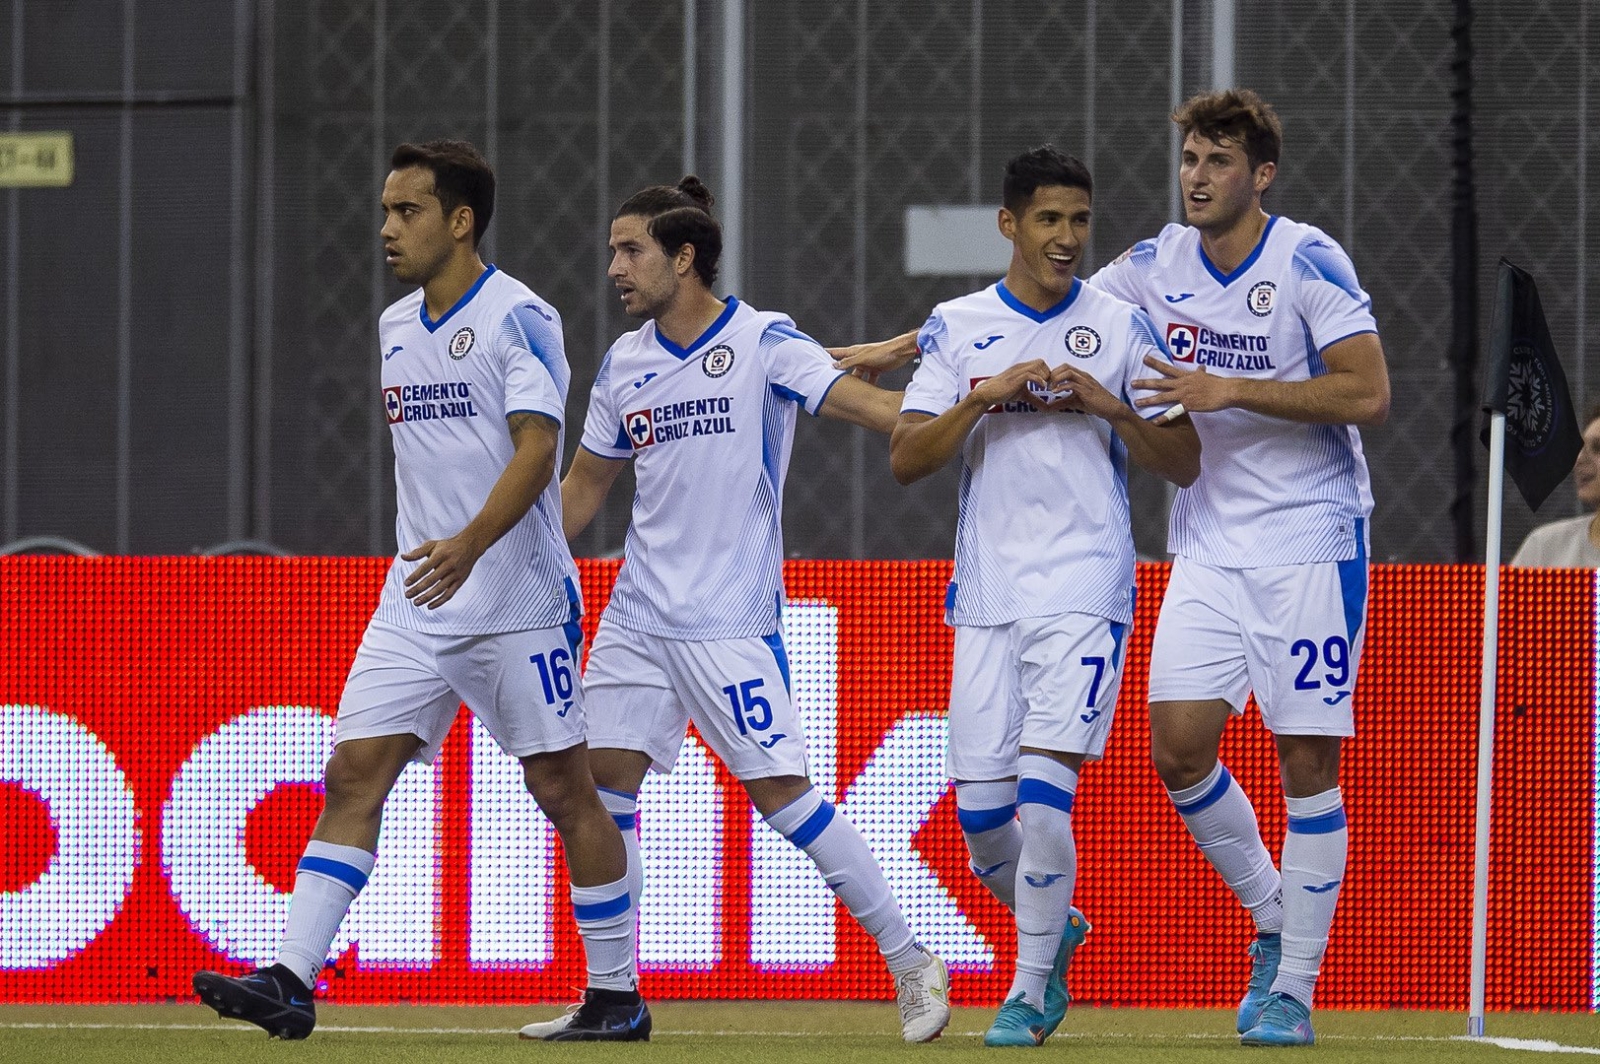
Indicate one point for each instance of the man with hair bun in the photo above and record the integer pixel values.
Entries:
(703, 399)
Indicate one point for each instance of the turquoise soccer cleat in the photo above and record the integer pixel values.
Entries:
(1284, 1022)
(1265, 953)
(1056, 997)
(1017, 1024)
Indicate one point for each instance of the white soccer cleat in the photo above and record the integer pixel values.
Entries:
(923, 995)
(542, 1031)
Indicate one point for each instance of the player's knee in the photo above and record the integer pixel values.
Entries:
(561, 787)
(1180, 767)
(353, 782)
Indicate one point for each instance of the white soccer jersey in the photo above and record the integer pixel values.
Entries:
(1043, 526)
(1271, 492)
(709, 428)
(448, 387)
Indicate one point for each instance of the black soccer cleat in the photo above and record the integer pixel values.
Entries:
(606, 1016)
(271, 998)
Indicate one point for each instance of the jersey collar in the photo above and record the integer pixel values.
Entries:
(681, 353)
(1037, 315)
(1225, 279)
(466, 297)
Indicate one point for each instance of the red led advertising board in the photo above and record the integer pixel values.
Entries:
(163, 723)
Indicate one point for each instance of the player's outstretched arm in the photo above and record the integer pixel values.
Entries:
(1354, 391)
(862, 404)
(584, 489)
(446, 563)
(1170, 450)
(923, 443)
(867, 361)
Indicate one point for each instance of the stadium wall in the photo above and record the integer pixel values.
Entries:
(163, 722)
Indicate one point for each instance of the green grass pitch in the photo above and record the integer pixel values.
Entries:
(786, 1032)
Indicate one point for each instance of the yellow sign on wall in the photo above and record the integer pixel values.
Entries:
(35, 160)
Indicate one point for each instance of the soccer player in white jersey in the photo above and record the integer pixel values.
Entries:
(480, 606)
(703, 399)
(1277, 356)
(1029, 381)
(1277, 359)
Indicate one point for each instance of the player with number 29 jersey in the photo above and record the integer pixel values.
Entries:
(1272, 491)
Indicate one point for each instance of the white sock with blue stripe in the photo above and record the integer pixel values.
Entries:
(1314, 853)
(1047, 870)
(1223, 823)
(987, 810)
(606, 917)
(851, 871)
(624, 810)
(327, 880)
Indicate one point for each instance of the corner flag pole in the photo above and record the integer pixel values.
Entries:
(1491, 656)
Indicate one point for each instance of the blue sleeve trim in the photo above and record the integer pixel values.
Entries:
(977, 821)
(817, 411)
(917, 410)
(1342, 339)
(626, 821)
(540, 413)
(607, 457)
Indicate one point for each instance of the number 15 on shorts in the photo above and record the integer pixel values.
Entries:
(750, 710)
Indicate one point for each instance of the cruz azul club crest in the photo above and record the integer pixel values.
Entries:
(461, 343)
(717, 361)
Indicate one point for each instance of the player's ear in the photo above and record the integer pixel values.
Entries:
(683, 261)
(1008, 224)
(1264, 175)
(461, 222)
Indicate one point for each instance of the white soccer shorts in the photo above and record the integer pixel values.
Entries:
(641, 691)
(1044, 682)
(523, 686)
(1292, 634)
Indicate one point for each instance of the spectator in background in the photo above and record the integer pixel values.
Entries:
(1573, 543)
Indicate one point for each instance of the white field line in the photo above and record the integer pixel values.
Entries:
(1526, 1044)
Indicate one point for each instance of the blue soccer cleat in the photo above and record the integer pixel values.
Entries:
(1284, 1022)
(1017, 1024)
(1265, 953)
(1056, 997)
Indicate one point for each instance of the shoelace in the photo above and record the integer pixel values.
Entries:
(910, 994)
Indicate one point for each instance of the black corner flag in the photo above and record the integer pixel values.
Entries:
(1525, 382)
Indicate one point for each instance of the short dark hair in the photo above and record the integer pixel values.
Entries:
(680, 214)
(461, 177)
(1042, 167)
(1236, 115)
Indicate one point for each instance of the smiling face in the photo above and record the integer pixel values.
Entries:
(418, 237)
(1220, 188)
(1047, 238)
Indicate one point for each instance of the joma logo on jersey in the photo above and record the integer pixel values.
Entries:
(1181, 341)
